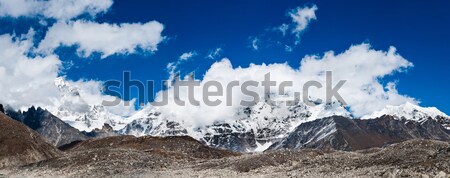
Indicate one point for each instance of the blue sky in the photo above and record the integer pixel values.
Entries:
(420, 30)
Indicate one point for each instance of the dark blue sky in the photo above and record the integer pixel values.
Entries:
(420, 30)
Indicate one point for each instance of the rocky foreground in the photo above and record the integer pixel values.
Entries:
(127, 156)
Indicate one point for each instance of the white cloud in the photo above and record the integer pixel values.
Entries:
(360, 65)
(214, 53)
(290, 31)
(27, 80)
(28, 72)
(301, 16)
(55, 9)
(107, 39)
(188, 55)
(91, 95)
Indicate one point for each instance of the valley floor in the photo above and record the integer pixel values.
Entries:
(416, 158)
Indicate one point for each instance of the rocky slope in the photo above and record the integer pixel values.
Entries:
(414, 158)
(342, 133)
(50, 127)
(124, 154)
(173, 144)
(20, 145)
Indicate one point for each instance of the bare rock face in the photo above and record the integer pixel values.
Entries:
(2, 110)
(227, 136)
(50, 127)
(341, 133)
(106, 131)
(20, 145)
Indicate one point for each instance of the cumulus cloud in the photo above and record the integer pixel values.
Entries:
(28, 73)
(29, 79)
(361, 66)
(104, 38)
(53, 9)
(24, 79)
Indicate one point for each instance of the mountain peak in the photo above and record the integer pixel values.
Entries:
(251, 129)
(85, 116)
(408, 111)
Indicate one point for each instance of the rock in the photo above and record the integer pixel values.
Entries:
(442, 174)
(342, 133)
(50, 127)
(21, 145)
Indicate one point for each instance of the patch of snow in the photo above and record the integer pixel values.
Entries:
(408, 111)
(262, 147)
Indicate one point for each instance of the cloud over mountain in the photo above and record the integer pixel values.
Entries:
(24, 79)
(30, 67)
(29, 79)
(361, 66)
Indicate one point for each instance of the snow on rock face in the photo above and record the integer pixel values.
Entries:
(252, 129)
(81, 115)
(248, 129)
(256, 128)
(409, 111)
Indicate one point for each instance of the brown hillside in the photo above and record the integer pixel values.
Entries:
(20, 145)
(166, 145)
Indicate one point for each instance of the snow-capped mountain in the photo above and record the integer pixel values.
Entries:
(75, 111)
(413, 112)
(258, 127)
(343, 133)
(248, 129)
(252, 128)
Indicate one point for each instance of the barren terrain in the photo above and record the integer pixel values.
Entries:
(416, 158)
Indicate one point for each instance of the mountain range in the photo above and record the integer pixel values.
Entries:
(37, 140)
(263, 127)
(251, 129)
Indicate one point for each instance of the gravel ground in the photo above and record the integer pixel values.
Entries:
(418, 158)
